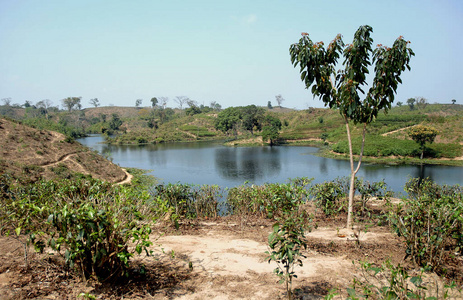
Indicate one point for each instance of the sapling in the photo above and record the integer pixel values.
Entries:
(286, 243)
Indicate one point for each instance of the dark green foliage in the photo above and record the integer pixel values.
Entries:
(193, 110)
(269, 200)
(115, 122)
(252, 117)
(330, 196)
(430, 220)
(270, 131)
(189, 201)
(227, 120)
(87, 221)
(63, 126)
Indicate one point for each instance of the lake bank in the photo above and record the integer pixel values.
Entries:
(213, 163)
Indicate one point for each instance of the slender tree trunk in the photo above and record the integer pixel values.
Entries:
(352, 170)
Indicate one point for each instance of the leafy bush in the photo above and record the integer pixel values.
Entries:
(430, 220)
(269, 200)
(330, 197)
(89, 222)
(189, 201)
(388, 281)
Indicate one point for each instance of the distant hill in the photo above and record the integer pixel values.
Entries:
(28, 154)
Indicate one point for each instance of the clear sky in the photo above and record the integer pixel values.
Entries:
(233, 52)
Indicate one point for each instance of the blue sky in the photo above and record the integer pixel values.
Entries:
(233, 52)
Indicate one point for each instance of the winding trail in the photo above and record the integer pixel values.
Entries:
(127, 178)
(397, 130)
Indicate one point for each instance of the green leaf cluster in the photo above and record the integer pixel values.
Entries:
(89, 222)
(430, 220)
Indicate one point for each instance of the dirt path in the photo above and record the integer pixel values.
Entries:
(225, 265)
(188, 133)
(79, 168)
(60, 160)
(400, 129)
(127, 179)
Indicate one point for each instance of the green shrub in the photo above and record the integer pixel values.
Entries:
(388, 281)
(269, 200)
(430, 220)
(330, 196)
(190, 201)
(89, 222)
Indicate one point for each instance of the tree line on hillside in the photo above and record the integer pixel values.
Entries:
(250, 118)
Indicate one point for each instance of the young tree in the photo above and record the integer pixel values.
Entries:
(72, 102)
(154, 101)
(271, 129)
(138, 102)
(343, 89)
(423, 134)
(279, 99)
(421, 102)
(453, 101)
(399, 104)
(269, 105)
(215, 106)
(95, 102)
(44, 105)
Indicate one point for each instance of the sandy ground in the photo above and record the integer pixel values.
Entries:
(211, 260)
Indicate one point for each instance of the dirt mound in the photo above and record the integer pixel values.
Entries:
(28, 154)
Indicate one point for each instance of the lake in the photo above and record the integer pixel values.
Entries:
(212, 163)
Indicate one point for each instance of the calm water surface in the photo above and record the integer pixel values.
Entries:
(213, 163)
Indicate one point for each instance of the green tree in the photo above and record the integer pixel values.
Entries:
(43, 106)
(227, 120)
(115, 122)
(138, 102)
(399, 104)
(423, 134)
(154, 101)
(252, 117)
(269, 105)
(343, 89)
(271, 129)
(453, 101)
(95, 102)
(421, 102)
(411, 103)
(70, 103)
(215, 106)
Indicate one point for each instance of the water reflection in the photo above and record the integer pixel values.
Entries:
(212, 163)
(248, 164)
